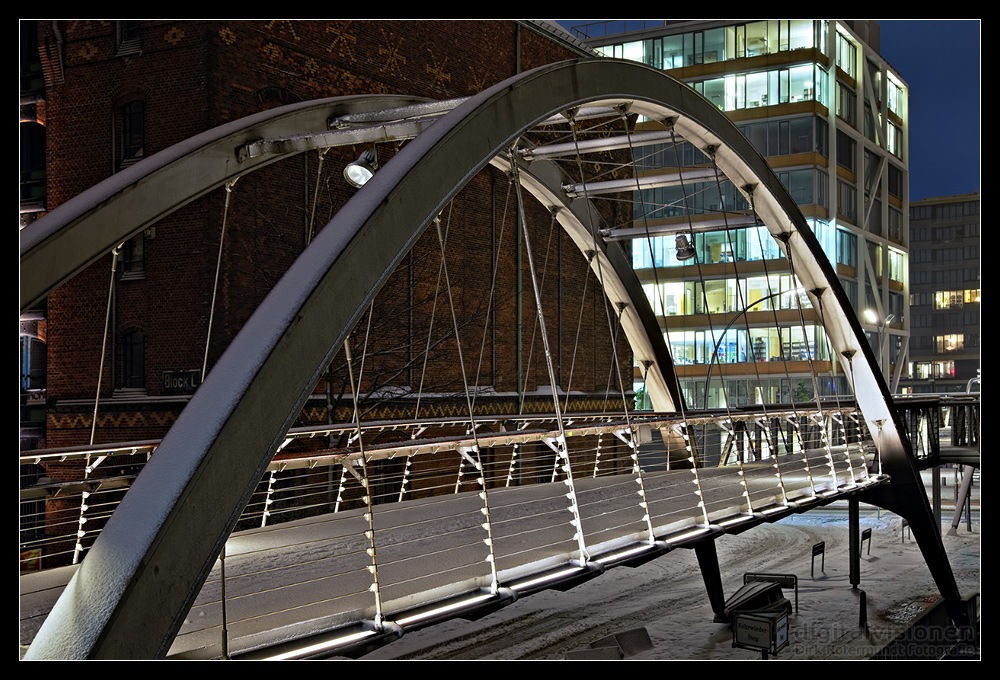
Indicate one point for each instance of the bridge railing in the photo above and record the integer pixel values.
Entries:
(964, 419)
(925, 415)
(67, 494)
(336, 535)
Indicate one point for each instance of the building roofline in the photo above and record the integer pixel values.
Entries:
(947, 199)
(550, 29)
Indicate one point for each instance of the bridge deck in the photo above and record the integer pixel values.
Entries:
(310, 576)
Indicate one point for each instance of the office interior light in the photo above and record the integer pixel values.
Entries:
(358, 172)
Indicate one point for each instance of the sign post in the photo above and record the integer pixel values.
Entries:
(766, 632)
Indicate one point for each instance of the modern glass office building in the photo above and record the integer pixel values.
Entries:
(830, 115)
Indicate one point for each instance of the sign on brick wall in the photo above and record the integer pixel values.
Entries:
(181, 382)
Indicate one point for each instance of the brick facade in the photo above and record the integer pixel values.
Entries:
(191, 76)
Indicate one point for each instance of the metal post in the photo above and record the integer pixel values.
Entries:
(708, 561)
(936, 494)
(855, 541)
(963, 501)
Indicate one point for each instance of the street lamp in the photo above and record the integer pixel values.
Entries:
(685, 251)
(872, 318)
(358, 172)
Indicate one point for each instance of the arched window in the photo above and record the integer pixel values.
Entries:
(132, 132)
(133, 360)
(33, 173)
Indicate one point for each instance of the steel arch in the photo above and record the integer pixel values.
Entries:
(145, 569)
(88, 226)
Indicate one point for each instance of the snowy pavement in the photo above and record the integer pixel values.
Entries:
(667, 598)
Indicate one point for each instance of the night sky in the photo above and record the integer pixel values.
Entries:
(940, 60)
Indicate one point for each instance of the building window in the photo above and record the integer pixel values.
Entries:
(895, 225)
(895, 176)
(872, 162)
(847, 201)
(946, 299)
(132, 259)
(896, 101)
(129, 40)
(33, 170)
(657, 156)
(132, 132)
(846, 101)
(896, 307)
(783, 137)
(875, 218)
(801, 184)
(875, 255)
(133, 360)
(764, 88)
(33, 360)
(870, 126)
(897, 265)
(845, 150)
(847, 248)
(894, 143)
(851, 290)
(949, 343)
(847, 56)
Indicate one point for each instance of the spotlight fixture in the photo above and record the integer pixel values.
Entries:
(685, 251)
(358, 172)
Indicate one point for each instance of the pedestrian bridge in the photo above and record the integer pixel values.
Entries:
(400, 524)
(448, 535)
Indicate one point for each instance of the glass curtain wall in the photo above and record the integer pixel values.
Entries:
(724, 43)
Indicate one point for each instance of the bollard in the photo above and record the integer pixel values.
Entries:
(818, 549)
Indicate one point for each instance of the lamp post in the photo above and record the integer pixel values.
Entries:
(872, 318)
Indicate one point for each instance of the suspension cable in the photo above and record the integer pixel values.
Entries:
(744, 305)
(534, 327)
(836, 395)
(579, 325)
(430, 332)
(483, 495)
(364, 349)
(632, 442)
(312, 213)
(685, 431)
(812, 371)
(369, 515)
(795, 432)
(78, 548)
(489, 305)
(104, 343)
(215, 285)
(561, 444)
(204, 367)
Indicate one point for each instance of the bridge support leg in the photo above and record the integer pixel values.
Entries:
(853, 520)
(908, 499)
(936, 493)
(708, 561)
(962, 501)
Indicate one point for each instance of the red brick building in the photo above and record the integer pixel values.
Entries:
(102, 95)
